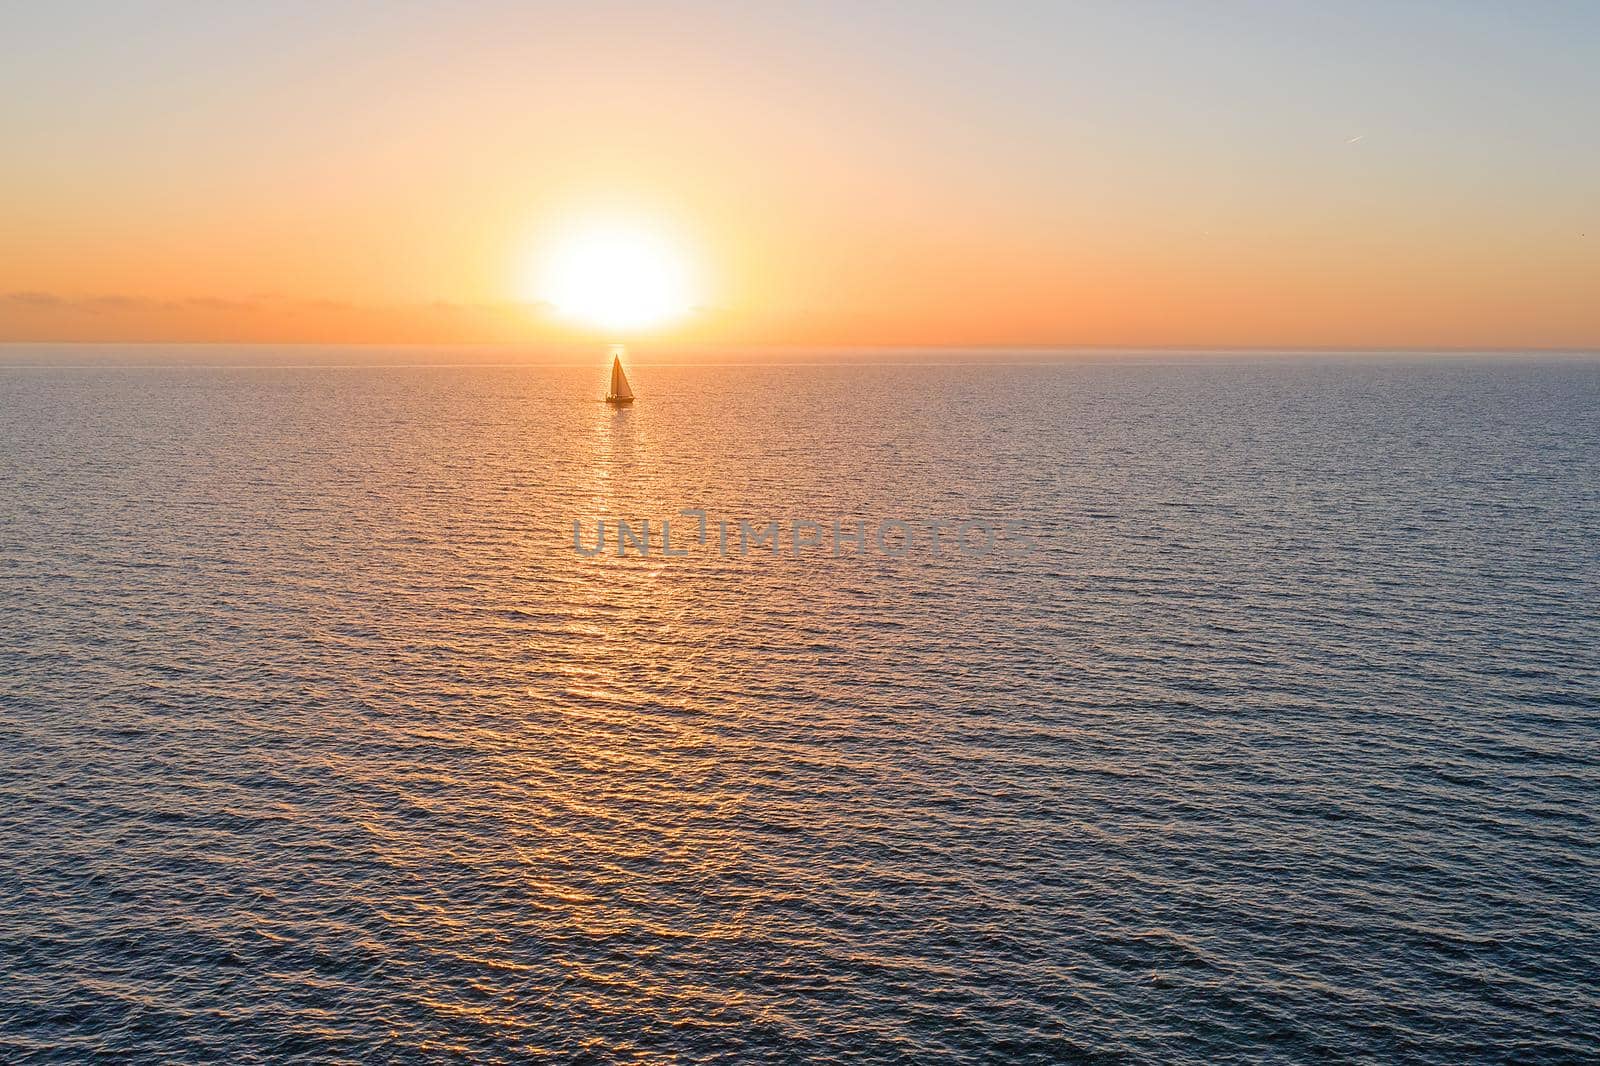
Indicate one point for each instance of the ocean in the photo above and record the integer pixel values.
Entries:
(1247, 711)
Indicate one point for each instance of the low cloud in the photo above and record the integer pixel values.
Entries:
(116, 302)
(41, 315)
(33, 299)
(217, 303)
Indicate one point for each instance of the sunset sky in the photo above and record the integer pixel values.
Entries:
(1383, 174)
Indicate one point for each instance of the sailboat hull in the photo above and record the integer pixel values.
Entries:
(619, 399)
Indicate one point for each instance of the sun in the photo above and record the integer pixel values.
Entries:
(616, 277)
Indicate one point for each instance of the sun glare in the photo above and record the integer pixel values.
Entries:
(615, 278)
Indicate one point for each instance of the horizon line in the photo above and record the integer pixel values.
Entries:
(1037, 346)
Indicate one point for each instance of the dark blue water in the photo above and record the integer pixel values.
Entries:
(1280, 741)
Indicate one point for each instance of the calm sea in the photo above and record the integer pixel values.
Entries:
(1278, 739)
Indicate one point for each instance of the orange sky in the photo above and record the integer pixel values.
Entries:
(1040, 175)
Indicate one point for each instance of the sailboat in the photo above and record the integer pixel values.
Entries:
(620, 392)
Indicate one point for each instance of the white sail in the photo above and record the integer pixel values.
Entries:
(619, 382)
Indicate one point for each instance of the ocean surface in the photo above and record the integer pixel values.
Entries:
(1268, 730)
